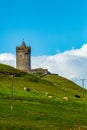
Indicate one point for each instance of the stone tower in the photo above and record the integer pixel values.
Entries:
(23, 57)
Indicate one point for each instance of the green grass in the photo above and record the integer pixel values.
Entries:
(34, 110)
(40, 115)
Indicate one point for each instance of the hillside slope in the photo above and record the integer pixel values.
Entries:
(34, 109)
(50, 83)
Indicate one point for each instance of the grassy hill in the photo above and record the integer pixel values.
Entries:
(34, 110)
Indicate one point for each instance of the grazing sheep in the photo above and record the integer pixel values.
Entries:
(65, 98)
(49, 96)
(26, 89)
(46, 93)
(77, 96)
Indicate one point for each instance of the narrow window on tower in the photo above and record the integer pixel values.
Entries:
(20, 56)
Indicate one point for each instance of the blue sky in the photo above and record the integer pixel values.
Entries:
(56, 30)
(48, 26)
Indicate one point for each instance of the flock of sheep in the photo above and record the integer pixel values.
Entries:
(50, 96)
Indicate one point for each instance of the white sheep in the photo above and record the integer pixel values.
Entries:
(65, 98)
(49, 96)
(25, 88)
(46, 93)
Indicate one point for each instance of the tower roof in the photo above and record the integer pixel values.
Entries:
(23, 45)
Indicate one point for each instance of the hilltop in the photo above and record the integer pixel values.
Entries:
(34, 109)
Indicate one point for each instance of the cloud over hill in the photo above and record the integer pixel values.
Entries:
(8, 58)
(70, 64)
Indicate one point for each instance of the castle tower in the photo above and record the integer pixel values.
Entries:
(23, 57)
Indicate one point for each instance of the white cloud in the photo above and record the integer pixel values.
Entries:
(8, 58)
(70, 64)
